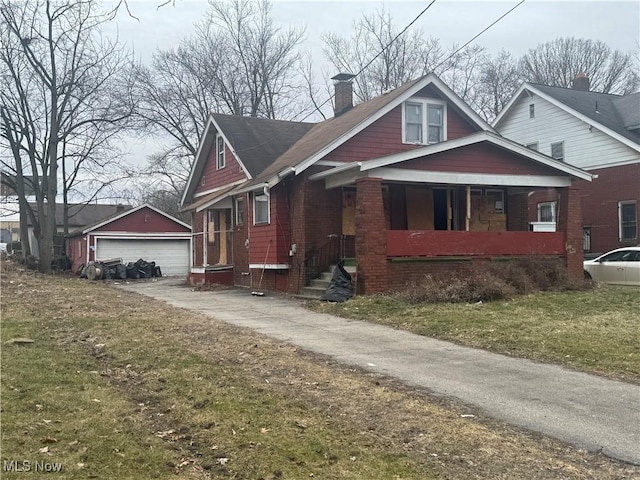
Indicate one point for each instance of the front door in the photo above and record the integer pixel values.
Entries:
(219, 229)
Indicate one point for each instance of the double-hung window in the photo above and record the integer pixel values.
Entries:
(219, 152)
(547, 212)
(239, 210)
(260, 209)
(628, 220)
(424, 121)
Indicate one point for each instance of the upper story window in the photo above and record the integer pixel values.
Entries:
(424, 121)
(532, 110)
(219, 152)
(557, 151)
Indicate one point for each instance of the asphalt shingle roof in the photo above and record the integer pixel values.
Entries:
(615, 112)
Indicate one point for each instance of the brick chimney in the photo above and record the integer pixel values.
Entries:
(581, 82)
(343, 99)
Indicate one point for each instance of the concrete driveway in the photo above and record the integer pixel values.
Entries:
(585, 410)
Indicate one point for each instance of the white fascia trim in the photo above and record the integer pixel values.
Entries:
(588, 120)
(217, 189)
(136, 236)
(429, 79)
(504, 112)
(129, 212)
(603, 166)
(329, 163)
(211, 123)
(201, 142)
(251, 188)
(458, 178)
(336, 170)
(469, 140)
(271, 266)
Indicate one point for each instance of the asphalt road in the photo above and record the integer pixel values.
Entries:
(585, 410)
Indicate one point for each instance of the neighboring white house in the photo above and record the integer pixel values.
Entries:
(594, 131)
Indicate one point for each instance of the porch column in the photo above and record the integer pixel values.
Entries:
(570, 221)
(371, 236)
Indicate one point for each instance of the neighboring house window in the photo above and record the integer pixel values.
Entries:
(547, 212)
(260, 209)
(532, 111)
(239, 211)
(557, 151)
(628, 220)
(220, 152)
(424, 119)
(533, 146)
(202, 181)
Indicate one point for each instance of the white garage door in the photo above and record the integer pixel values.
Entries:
(172, 256)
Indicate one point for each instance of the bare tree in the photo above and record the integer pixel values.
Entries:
(499, 79)
(557, 62)
(63, 100)
(237, 62)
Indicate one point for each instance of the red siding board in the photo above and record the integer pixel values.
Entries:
(478, 158)
(214, 178)
(407, 243)
(144, 220)
(384, 137)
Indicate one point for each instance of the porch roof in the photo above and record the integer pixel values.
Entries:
(210, 199)
(383, 167)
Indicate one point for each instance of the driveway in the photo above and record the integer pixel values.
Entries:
(587, 411)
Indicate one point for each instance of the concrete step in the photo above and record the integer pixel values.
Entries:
(315, 293)
(320, 282)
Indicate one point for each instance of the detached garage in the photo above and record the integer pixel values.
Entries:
(143, 232)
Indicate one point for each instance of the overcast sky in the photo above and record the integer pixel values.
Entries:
(534, 22)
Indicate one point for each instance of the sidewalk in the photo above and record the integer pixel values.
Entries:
(585, 410)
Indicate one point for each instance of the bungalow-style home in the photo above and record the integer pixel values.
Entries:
(410, 183)
(142, 232)
(597, 132)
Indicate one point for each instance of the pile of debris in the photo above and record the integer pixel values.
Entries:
(114, 269)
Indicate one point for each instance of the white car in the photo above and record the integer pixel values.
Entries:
(620, 266)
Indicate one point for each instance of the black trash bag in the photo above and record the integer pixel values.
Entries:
(340, 288)
(144, 268)
(106, 272)
(121, 272)
(132, 271)
(157, 272)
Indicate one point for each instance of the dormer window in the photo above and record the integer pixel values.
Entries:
(424, 121)
(220, 152)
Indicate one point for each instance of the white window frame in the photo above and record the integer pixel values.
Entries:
(553, 211)
(220, 160)
(560, 159)
(532, 110)
(489, 192)
(256, 196)
(425, 103)
(620, 226)
(239, 218)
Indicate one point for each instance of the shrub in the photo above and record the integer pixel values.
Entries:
(493, 281)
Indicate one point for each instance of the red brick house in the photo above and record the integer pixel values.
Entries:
(142, 232)
(597, 132)
(409, 183)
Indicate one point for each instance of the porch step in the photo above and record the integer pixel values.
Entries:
(312, 293)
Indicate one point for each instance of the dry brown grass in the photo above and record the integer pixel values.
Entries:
(192, 391)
